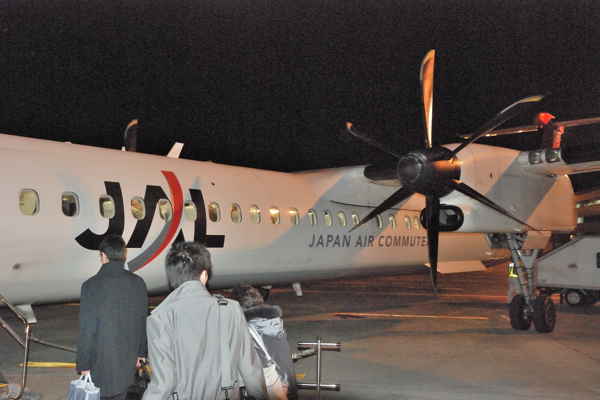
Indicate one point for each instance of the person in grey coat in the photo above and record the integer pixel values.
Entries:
(268, 322)
(112, 322)
(185, 337)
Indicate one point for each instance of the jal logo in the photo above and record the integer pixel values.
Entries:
(170, 232)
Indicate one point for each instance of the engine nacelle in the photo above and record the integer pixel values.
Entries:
(545, 202)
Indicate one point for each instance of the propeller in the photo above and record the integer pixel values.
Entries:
(130, 137)
(434, 172)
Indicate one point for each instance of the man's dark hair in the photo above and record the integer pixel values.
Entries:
(247, 296)
(114, 247)
(185, 261)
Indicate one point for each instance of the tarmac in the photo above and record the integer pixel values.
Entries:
(398, 341)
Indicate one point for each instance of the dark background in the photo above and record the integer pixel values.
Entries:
(270, 84)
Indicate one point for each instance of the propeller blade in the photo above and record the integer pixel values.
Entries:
(352, 129)
(502, 117)
(399, 196)
(433, 235)
(427, 86)
(472, 193)
(130, 139)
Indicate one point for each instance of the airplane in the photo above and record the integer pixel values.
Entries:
(444, 207)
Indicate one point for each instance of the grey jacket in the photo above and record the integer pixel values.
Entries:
(184, 347)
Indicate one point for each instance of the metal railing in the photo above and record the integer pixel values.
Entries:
(23, 343)
(318, 386)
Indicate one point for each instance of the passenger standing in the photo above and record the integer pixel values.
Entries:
(267, 320)
(112, 322)
(185, 337)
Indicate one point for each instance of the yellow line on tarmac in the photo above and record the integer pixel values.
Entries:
(49, 364)
(360, 315)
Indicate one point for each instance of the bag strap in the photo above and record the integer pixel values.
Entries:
(260, 342)
(225, 370)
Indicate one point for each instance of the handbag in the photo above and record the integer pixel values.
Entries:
(83, 389)
(142, 380)
(274, 385)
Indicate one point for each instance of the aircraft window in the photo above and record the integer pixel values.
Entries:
(392, 219)
(29, 202)
(164, 207)
(417, 226)
(107, 206)
(312, 217)
(407, 221)
(327, 218)
(138, 208)
(294, 216)
(190, 211)
(236, 213)
(70, 204)
(254, 214)
(355, 219)
(342, 218)
(274, 212)
(214, 212)
(378, 221)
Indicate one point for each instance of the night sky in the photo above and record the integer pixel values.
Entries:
(271, 84)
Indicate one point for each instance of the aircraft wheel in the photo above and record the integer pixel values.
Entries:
(575, 297)
(520, 319)
(544, 314)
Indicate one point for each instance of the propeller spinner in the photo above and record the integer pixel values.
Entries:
(434, 172)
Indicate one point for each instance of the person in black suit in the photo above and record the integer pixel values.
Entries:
(112, 322)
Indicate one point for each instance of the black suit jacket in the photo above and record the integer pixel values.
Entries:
(112, 327)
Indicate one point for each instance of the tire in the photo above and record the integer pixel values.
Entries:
(575, 298)
(544, 314)
(520, 319)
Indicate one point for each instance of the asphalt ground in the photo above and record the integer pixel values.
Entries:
(398, 341)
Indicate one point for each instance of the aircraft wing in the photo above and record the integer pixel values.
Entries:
(565, 160)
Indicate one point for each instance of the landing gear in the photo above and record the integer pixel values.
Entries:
(520, 317)
(544, 314)
(526, 307)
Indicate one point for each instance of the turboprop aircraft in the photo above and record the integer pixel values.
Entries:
(271, 228)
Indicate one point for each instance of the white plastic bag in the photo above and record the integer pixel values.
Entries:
(83, 389)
